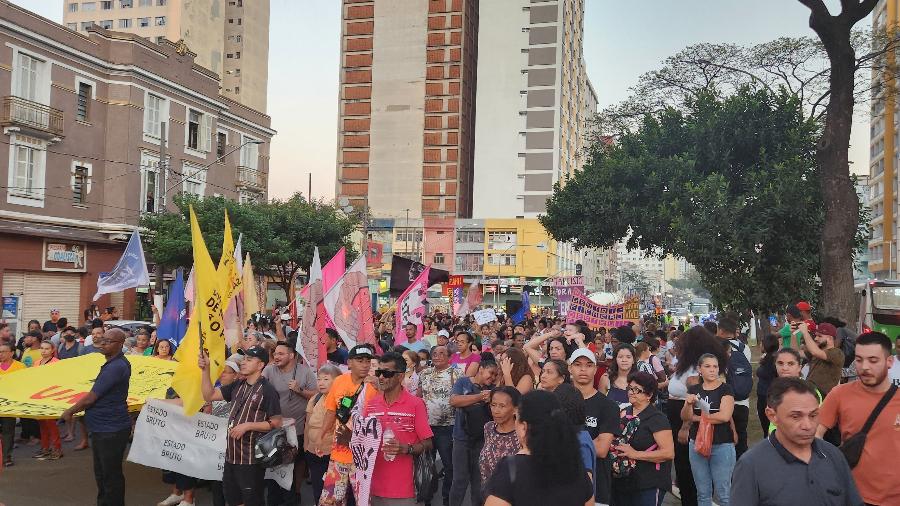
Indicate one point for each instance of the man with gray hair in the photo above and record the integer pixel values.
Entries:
(435, 384)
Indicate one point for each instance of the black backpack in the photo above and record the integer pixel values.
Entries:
(848, 345)
(739, 373)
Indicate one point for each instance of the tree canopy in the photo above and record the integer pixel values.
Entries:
(729, 184)
(280, 235)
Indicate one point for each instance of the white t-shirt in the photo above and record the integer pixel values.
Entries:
(678, 384)
(894, 372)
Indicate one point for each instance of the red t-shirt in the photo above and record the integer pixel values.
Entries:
(408, 418)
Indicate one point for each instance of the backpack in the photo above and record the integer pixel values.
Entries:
(848, 345)
(739, 373)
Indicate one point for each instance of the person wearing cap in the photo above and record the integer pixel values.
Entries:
(50, 325)
(806, 314)
(601, 418)
(347, 393)
(825, 357)
(255, 411)
(790, 336)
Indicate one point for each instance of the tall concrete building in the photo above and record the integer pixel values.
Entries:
(534, 100)
(229, 38)
(407, 106)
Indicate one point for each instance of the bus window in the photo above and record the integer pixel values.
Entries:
(886, 297)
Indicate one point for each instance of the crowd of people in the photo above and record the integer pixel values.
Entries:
(539, 411)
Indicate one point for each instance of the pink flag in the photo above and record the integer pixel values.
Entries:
(411, 305)
(309, 340)
(473, 299)
(331, 273)
(349, 304)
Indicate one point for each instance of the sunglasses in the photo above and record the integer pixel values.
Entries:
(387, 373)
(635, 390)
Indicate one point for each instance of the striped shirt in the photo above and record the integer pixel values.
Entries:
(249, 403)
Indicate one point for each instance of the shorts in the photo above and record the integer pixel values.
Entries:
(336, 487)
(244, 484)
(180, 481)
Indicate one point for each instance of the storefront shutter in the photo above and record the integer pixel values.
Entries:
(13, 283)
(45, 290)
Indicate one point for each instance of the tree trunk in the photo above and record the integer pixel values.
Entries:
(841, 201)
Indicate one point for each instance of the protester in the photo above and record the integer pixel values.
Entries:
(8, 365)
(466, 359)
(556, 349)
(142, 342)
(500, 437)
(850, 405)
(345, 393)
(516, 371)
(435, 385)
(221, 409)
(826, 359)
(412, 341)
(713, 473)
(405, 416)
(470, 396)
(615, 383)
(48, 427)
(738, 369)
(790, 335)
(295, 383)
(96, 334)
(256, 410)
(547, 470)
(765, 373)
(317, 456)
(336, 354)
(106, 417)
(50, 325)
(69, 346)
(55, 336)
(163, 350)
(817, 472)
(31, 353)
(572, 404)
(411, 376)
(554, 374)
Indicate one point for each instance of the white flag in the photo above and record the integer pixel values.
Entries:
(130, 271)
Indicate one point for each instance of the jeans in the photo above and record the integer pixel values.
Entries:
(8, 430)
(714, 473)
(466, 473)
(761, 413)
(317, 467)
(443, 445)
(646, 497)
(741, 417)
(683, 476)
(109, 450)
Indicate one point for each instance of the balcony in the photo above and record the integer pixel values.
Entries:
(251, 178)
(32, 118)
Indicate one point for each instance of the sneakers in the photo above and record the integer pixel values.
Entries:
(52, 455)
(40, 454)
(172, 500)
(8, 463)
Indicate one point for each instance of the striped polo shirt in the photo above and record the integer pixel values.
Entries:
(257, 402)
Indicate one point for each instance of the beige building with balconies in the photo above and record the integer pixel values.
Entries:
(228, 38)
(82, 120)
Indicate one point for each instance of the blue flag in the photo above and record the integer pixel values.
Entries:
(519, 317)
(130, 271)
(173, 322)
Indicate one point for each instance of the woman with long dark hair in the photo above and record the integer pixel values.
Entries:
(765, 373)
(548, 468)
(615, 383)
(516, 372)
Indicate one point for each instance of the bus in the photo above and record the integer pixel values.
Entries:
(879, 307)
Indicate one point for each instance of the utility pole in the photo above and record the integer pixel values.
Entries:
(309, 192)
(160, 196)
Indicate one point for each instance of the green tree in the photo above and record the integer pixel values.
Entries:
(729, 184)
(279, 235)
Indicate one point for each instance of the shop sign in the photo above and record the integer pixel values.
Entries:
(64, 256)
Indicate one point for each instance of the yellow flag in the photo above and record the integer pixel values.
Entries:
(229, 277)
(251, 300)
(206, 329)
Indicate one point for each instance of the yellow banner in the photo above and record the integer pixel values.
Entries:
(48, 390)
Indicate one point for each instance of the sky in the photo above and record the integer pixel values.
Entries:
(622, 40)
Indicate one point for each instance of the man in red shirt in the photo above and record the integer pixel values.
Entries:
(405, 415)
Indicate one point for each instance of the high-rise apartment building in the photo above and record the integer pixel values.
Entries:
(534, 101)
(228, 37)
(407, 106)
(883, 162)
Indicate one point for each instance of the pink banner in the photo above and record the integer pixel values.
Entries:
(350, 306)
(330, 274)
(411, 306)
(311, 338)
(599, 315)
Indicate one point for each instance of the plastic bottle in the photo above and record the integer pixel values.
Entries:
(388, 436)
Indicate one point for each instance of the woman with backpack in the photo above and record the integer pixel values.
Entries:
(711, 401)
(642, 454)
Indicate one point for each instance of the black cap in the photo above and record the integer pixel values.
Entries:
(362, 351)
(258, 352)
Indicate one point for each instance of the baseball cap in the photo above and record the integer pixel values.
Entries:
(583, 352)
(258, 352)
(362, 351)
(443, 332)
(804, 306)
(826, 329)
(233, 365)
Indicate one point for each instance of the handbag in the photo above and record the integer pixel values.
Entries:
(704, 441)
(852, 448)
(425, 476)
(272, 449)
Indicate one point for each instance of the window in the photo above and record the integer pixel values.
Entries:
(154, 111)
(24, 175)
(125, 23)
(439, 258)
(85, 25)
(249, 153)
(126, 4)
(221, 143)
(237, 89)
(72, 26)
(495, 259)
(160, 39)
(239, 21)
(160, 21)
(237, 72)
(145, 3)
(409, 235)
(231, 21)
(106, 24)
(469, 262)
(237, 55)
(84, 100)
(160, 2)
(194, 181)
(475, 236)
(249, 197)
(73, 7)
(502, 240)
(143, 22)
(199, 131)
(79, 185)
(26, 171)
(88, 7)
(106, 5)
(29, 69)
(150, 183)
(229, 55)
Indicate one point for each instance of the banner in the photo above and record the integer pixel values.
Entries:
(599, 315)
(485, 316)
(45, 392)
(251, 298)
(374, 255)
(311, 340)
(331, 273)
(565, 287)
(411, 306)
(364, 445)
(173, 323)
(349, 305)
(190, 445)
(229, 276)
(473, 299)
(130, 271)
(404, 271)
